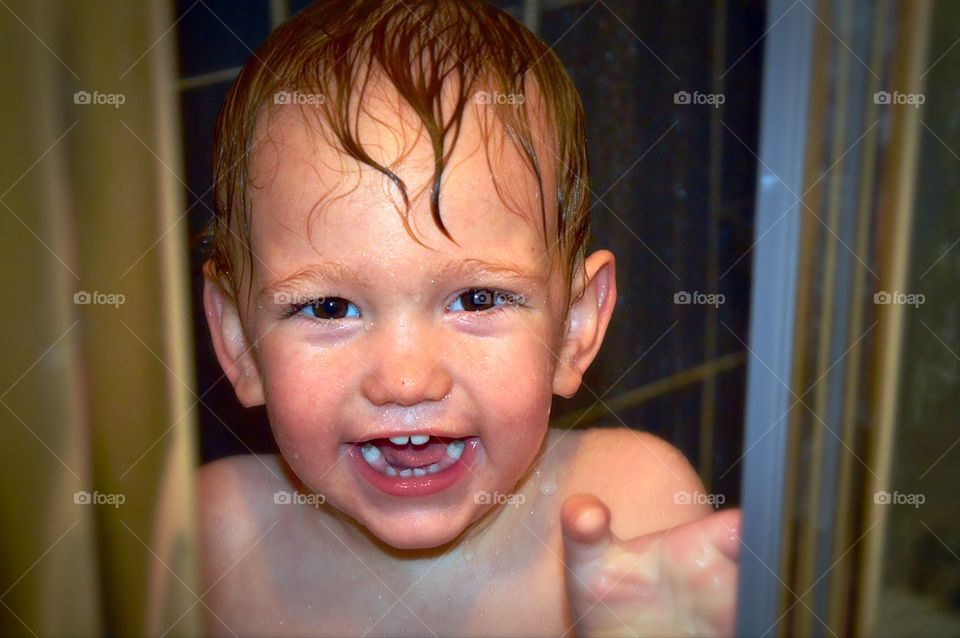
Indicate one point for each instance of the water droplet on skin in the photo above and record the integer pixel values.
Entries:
(548, 487)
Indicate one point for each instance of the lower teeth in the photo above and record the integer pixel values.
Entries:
(371, 454)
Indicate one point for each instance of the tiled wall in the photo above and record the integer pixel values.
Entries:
(672, 197)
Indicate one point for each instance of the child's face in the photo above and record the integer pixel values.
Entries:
(412, 352)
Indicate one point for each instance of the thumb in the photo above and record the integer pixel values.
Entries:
(585, 523)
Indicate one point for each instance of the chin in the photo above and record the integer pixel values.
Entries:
(422, 529)
(426, 534)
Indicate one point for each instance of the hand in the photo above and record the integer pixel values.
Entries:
(680, 581)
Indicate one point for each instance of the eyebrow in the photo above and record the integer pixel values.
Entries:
(334, 273)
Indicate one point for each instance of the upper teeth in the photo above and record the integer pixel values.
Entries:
(416, 439)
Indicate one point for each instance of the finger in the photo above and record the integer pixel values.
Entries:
(585, 523)
(723, 530)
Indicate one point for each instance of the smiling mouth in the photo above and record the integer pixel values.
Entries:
(418, 455)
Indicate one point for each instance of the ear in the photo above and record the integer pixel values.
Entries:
(230, 341)
(587, 321)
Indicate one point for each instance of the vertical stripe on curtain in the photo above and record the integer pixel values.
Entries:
(97, 396)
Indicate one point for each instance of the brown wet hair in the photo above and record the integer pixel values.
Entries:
(422, 48)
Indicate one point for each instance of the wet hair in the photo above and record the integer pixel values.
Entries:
(422, 48)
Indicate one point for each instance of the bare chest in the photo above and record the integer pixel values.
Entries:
(343, 595)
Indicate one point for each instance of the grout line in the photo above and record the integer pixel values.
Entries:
(559, 4)
(654, 389)
(207, 79)
(531, 15)
(715, 203)
(279, 12)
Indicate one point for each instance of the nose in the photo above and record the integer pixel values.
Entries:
(407, 366)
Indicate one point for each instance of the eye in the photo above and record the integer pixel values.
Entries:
(478, 299)
(328, 308)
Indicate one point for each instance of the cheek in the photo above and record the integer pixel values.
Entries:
(301, 391)
(514, 390)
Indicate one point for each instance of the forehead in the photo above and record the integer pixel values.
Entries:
(309, 197)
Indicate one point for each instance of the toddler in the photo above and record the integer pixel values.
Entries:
(398, 273)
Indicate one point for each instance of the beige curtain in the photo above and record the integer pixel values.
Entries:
(96, 399)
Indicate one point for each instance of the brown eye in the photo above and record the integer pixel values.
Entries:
(478, 299)
(329, 308)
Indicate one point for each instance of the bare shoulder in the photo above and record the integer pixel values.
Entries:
(644, 480)
(236, 484)
(234, 499)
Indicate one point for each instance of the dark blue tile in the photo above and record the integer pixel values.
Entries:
(226, 428)
(219, 34)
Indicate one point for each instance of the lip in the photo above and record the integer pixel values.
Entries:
(412, 486)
